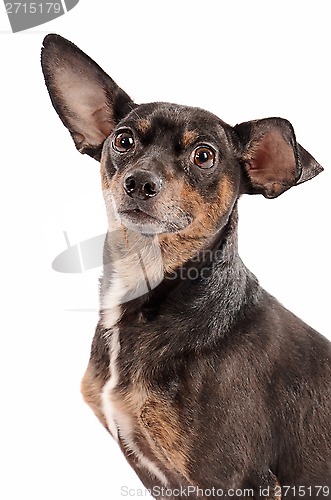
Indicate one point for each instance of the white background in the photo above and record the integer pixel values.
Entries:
(242, 60)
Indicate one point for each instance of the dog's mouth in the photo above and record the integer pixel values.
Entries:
(141, 221)
(138, 219)
(138, 216)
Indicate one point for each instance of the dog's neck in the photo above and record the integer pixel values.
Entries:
(142, 274)
(217, 283)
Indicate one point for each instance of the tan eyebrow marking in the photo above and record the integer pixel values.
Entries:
(143, 125)
(188, 137)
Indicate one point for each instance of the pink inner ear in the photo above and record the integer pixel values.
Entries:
(271, 163)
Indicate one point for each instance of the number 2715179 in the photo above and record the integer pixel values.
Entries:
(33, 8)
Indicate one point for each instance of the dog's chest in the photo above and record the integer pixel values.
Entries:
(145, 422)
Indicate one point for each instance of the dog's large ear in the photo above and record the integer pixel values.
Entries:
(272, 159)
(88, 101)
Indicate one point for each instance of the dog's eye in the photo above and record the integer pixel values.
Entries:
(123, 141)
(203, 157)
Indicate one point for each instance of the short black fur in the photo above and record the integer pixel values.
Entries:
(223, 387)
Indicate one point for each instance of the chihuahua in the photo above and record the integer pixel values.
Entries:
(207, 383)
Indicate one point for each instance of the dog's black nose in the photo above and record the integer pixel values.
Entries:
(142, 184)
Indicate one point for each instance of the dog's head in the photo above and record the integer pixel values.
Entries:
(168, 168)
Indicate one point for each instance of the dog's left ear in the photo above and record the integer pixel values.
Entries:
(272, 159)
(87, 100)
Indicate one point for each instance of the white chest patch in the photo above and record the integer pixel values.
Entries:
(119, 422)
(111, 384)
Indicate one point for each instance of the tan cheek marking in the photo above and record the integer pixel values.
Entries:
(143, 125)
(179, 247)
(188, 137)
(226, 193)
(104, 180)
(162, 423)
(215, 211)
(91, 389)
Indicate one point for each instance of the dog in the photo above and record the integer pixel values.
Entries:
(206, 381)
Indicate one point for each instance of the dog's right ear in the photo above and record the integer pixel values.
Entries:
(87, 100)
